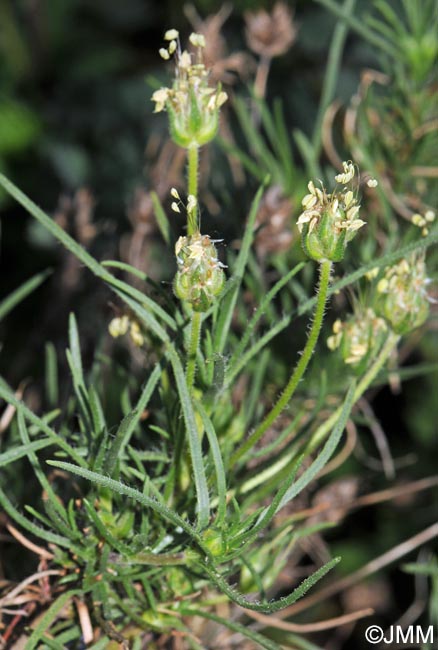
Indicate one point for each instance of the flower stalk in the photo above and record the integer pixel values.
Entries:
(192, 172)
(285, 397)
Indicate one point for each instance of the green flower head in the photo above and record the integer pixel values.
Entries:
(358, 338)
(330, 221)
(200, 276)
(192, 105)
(401, 296)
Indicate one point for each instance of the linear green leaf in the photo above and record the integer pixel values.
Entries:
(266, 300)
(47, 619)
(75, 348)
(51, 374)
(16, 453)
(203, 499)
(187, 409)
(33, 459)
(242, 362)
(22, 521)
(331, 74)
(275, 605)
(24, 290)
(144, 315)
(103, 530)
(114, 451)
(8, 396)
(326, 452)
(229, 301)
(261, 640)
(267, 515)
(96, 410)
(79, 252)
(132, 493)
(359, 26)
(218, 463)
(386, 260)
(161, 217)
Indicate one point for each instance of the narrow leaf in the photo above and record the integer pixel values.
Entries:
(203, 500)
(229, 301)
(24, 290)
(120, 488)
(273, 605)
(246, 632)
(326, 452)
(218, 463)
(119, 442)
(16, 453)
(79, 252)
(161, 217)
(8, 396)
(51, 374)
(50, 615)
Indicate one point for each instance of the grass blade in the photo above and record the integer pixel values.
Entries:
(50, 615)
(203, 499)
(161, 217)
(23, 450)
(8, 396)
(266, 300)
(229, 301)
(275, 605)
(326, 452)
(218, 463)
(51, 377)
(246, 632)
(79, 252)
(116, 486)
(24, 290)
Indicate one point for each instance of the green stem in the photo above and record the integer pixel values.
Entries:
(193, 349)
(362, 386)
(300, 368)
(193, 168)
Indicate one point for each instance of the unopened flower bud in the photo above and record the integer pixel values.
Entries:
(136, 334)
(171, 35)
(347, 175)
(118, 326)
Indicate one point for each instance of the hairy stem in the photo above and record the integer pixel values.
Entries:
(300, 368)
(193, 169)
